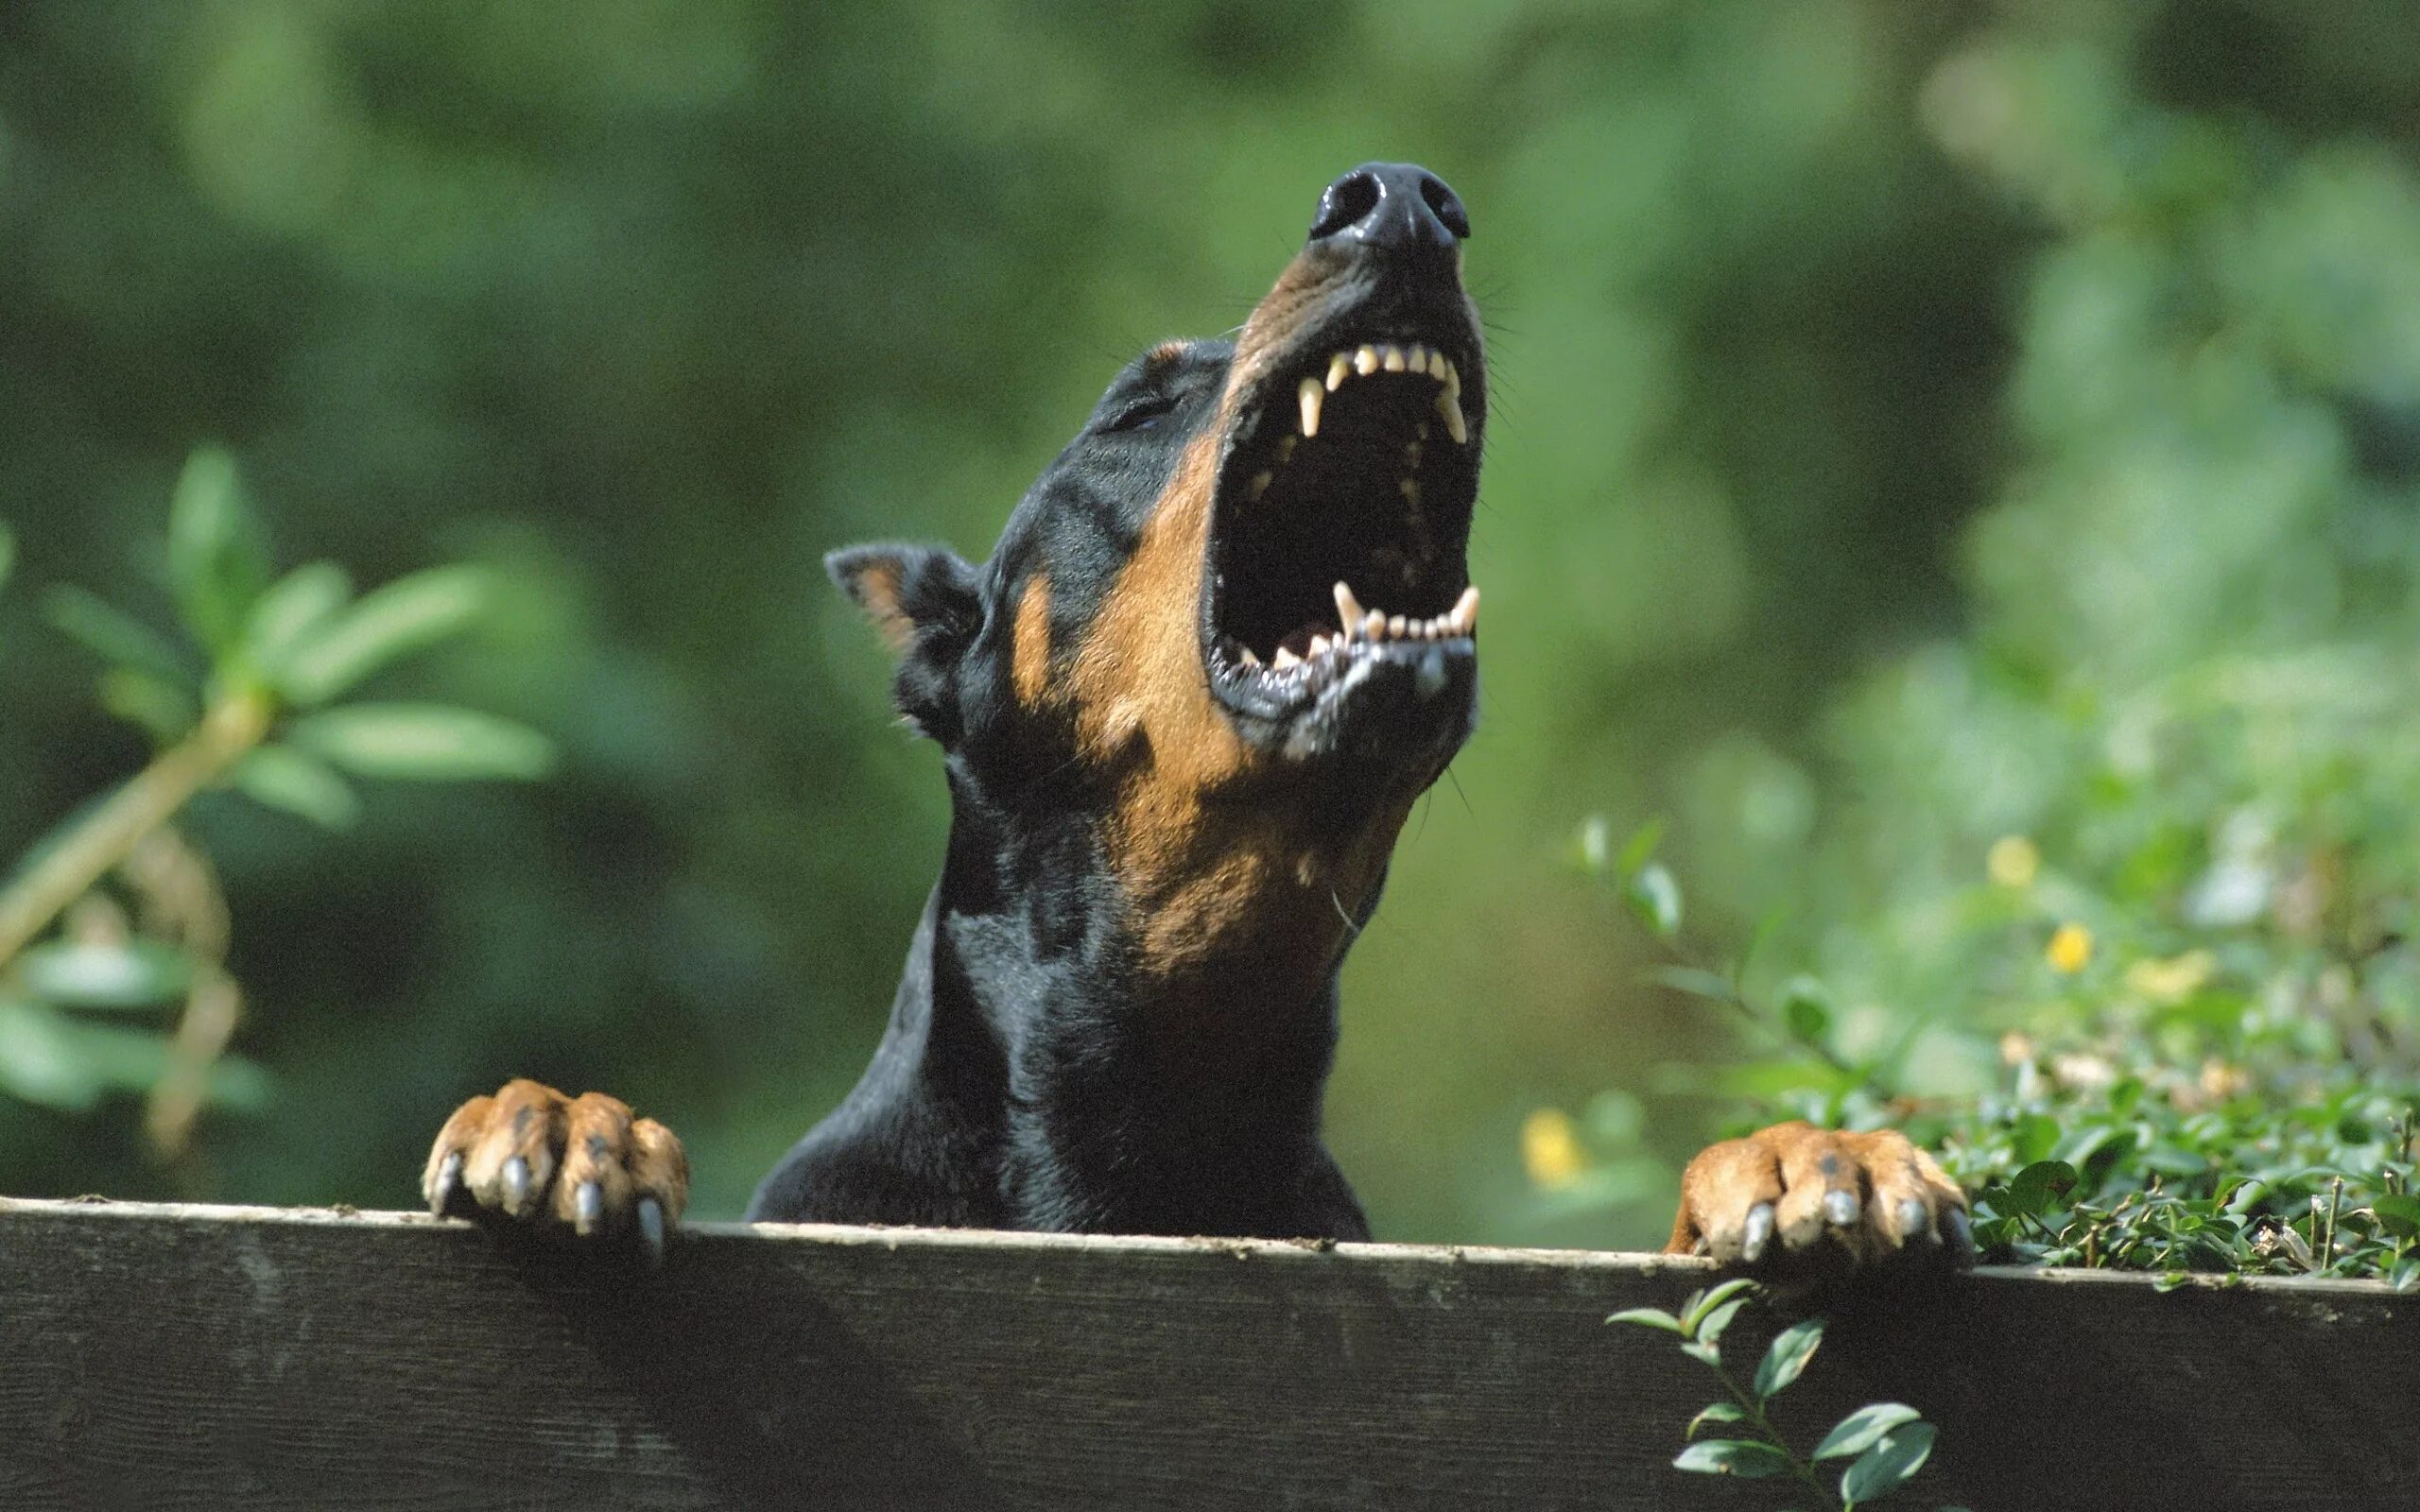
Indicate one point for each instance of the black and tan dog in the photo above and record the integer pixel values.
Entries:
(1222, 646)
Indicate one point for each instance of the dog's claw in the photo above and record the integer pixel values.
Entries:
(516, 1186)
(446, 1184)
(588, 1207)
(1839, 1208)
(650, 1214)
(1959, 1231)
(1911, 1219)
(1756, 1233)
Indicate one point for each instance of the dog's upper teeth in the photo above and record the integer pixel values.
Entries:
(1313, 396)
(1391, 358)
(1338, 367)
(1365, 361)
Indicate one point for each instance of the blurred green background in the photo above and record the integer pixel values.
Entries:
(1879, 392)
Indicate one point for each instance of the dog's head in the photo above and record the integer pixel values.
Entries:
(1233, 619)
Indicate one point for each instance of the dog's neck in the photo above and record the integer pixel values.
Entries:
(1125, 1089)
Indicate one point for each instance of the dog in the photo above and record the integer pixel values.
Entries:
(1224, 643)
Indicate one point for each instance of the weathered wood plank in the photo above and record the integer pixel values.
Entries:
(214, 1357)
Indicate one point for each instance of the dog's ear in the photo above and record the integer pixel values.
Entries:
(927, 602)
(910, 592)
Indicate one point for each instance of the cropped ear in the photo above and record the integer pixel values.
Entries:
(914, 594)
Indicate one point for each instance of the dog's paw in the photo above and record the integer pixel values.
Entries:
(1802, 1203)
(577, 1167)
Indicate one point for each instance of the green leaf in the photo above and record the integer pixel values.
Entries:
(1651, 1318)
(1860, 1430)
(55, 1062)
(424, 742)
(1710, 1330)
(1596, 846)
(8, 554)
(298, 783)
(2038, 1187)
(298, 604)
(1716, 1412)
(408, 614)
(217, 565)
(1696, 983)
(2399, 1214)
(1699, 1305)
(1743, 1457)
(114, 636)
(135, 975)
(1806, 1010)
(165, 711)
(1655, 896)
(1640, 847)
(1788, 1355)
(1890, 1464)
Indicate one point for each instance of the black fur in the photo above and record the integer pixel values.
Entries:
(1028, 1079)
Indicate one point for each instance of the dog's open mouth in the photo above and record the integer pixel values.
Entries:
(1340, 523)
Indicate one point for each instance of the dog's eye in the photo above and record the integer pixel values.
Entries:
(1142, 413)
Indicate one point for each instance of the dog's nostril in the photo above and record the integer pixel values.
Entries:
(1447, 205)
(1393, 207)
(1344, 202)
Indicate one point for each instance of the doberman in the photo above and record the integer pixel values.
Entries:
(1224, 643)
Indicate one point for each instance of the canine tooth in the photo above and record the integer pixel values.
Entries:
(1374, 625)
(1463, 617)
(1448, 408)
(1365, 360)
(1285, 658)
(1338, 367)
(1259, 484)
(1348, 609)
(1393, 358)
(1313, 396)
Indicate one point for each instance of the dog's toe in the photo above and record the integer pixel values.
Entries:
(1803, 1203)
(582, 1167)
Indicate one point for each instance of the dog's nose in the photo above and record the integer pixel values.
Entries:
(1394, 206)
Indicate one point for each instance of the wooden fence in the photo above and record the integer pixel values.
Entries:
(183, 1357)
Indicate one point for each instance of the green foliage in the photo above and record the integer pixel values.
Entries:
(638, 310)
(151, 944)
(1885, 1443)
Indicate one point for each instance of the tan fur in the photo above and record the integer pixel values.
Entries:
(1029, 658)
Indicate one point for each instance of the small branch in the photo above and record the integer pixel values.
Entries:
(230, 728)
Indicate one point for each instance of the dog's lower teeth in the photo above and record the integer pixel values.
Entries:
(1285, 658)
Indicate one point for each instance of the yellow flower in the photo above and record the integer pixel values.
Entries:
(2171, 981)
(1551, 1148)
(2014, 862)
(2070, 949)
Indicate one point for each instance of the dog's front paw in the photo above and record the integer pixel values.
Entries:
(580, 1166)
(1803, 1203)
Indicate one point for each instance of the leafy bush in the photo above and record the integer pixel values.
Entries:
(2111, 895)
(116, 914)
(1885, 1443)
